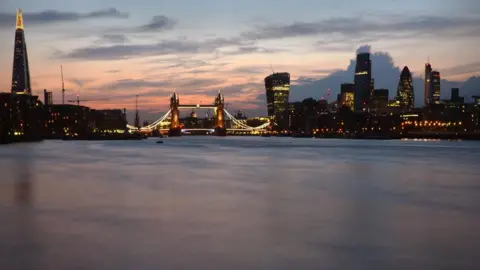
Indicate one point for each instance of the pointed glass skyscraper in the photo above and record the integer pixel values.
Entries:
(21, 72)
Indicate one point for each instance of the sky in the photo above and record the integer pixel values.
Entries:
(117, 49)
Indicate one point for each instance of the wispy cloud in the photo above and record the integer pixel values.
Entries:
(166, 47)
(54, 16)
(360, 26)
(113, 39)
(157, 23)
(461, 69)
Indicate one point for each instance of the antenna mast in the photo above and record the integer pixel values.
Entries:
(273, 71)
(63, 86)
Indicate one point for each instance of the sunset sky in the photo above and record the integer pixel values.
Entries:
(117, 49)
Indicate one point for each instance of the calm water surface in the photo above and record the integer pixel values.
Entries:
(240, 203)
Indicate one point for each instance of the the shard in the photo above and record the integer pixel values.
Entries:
(21, 72)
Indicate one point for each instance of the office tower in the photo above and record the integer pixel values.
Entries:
(405, 89)
(363, 81)
(347, 95)
(428, 70)
(434, 87)
(47, 97)
(380, 99)
(21, 72)
(277, 87)
(455, 95)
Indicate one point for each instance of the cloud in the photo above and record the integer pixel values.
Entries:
(158, 23)
(54, 16)
(113, 38)
(461, 69)
(113, 71)
(360, 27)
(166, 47)
(251, 50)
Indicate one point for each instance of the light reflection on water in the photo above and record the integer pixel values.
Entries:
(240, 203)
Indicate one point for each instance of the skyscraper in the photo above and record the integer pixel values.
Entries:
(434, 87)
(363, 81)
(277, 87)
(428, 70)
(347, 95)
(405, 89)
(21, 72)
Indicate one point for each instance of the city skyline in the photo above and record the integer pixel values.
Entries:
(166, 50)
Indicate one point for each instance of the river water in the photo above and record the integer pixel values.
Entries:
(240, 203)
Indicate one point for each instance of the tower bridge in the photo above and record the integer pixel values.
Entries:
(175, 129)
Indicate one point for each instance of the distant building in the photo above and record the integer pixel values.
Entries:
(277, 87)
(455, 96)
(380, 99)
(363, 81)
(109, 121)
(20, 118)
(65, 120)
(347, 95)
(435, 87)
(21, 71)
(405, 89)
(427, 97)
(47, 97)
(295, 115)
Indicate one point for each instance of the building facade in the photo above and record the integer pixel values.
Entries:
(347, 95)
(21, 71)
(405, 92)
(363, 82)
(435, 87)
(277, 87)
(427, 95)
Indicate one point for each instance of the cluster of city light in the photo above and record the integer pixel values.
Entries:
(431, 123)
(241, 125)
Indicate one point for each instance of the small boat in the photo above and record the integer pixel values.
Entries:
(159, 141)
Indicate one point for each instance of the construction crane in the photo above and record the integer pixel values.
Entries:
(63, 86)
(85, 100)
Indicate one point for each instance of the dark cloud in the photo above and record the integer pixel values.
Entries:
(114, 38)
(252, 70)
(251, 50)
(113, 71)
(80, 83)
(359, 27)
(461, 69)
(192, 85)
(158, 23)
(386, 76)
(165, 47)
(54, 16)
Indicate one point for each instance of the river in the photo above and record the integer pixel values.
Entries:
(240, 203)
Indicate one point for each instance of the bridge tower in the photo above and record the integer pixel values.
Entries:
(175, 129)
(220, 129)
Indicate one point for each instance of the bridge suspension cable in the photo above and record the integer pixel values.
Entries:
(240, 124)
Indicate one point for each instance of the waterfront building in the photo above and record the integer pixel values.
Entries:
(435, 87)
(363, 82)
(20, 118)
(277, 87)
(427, 95)
(347, 95)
